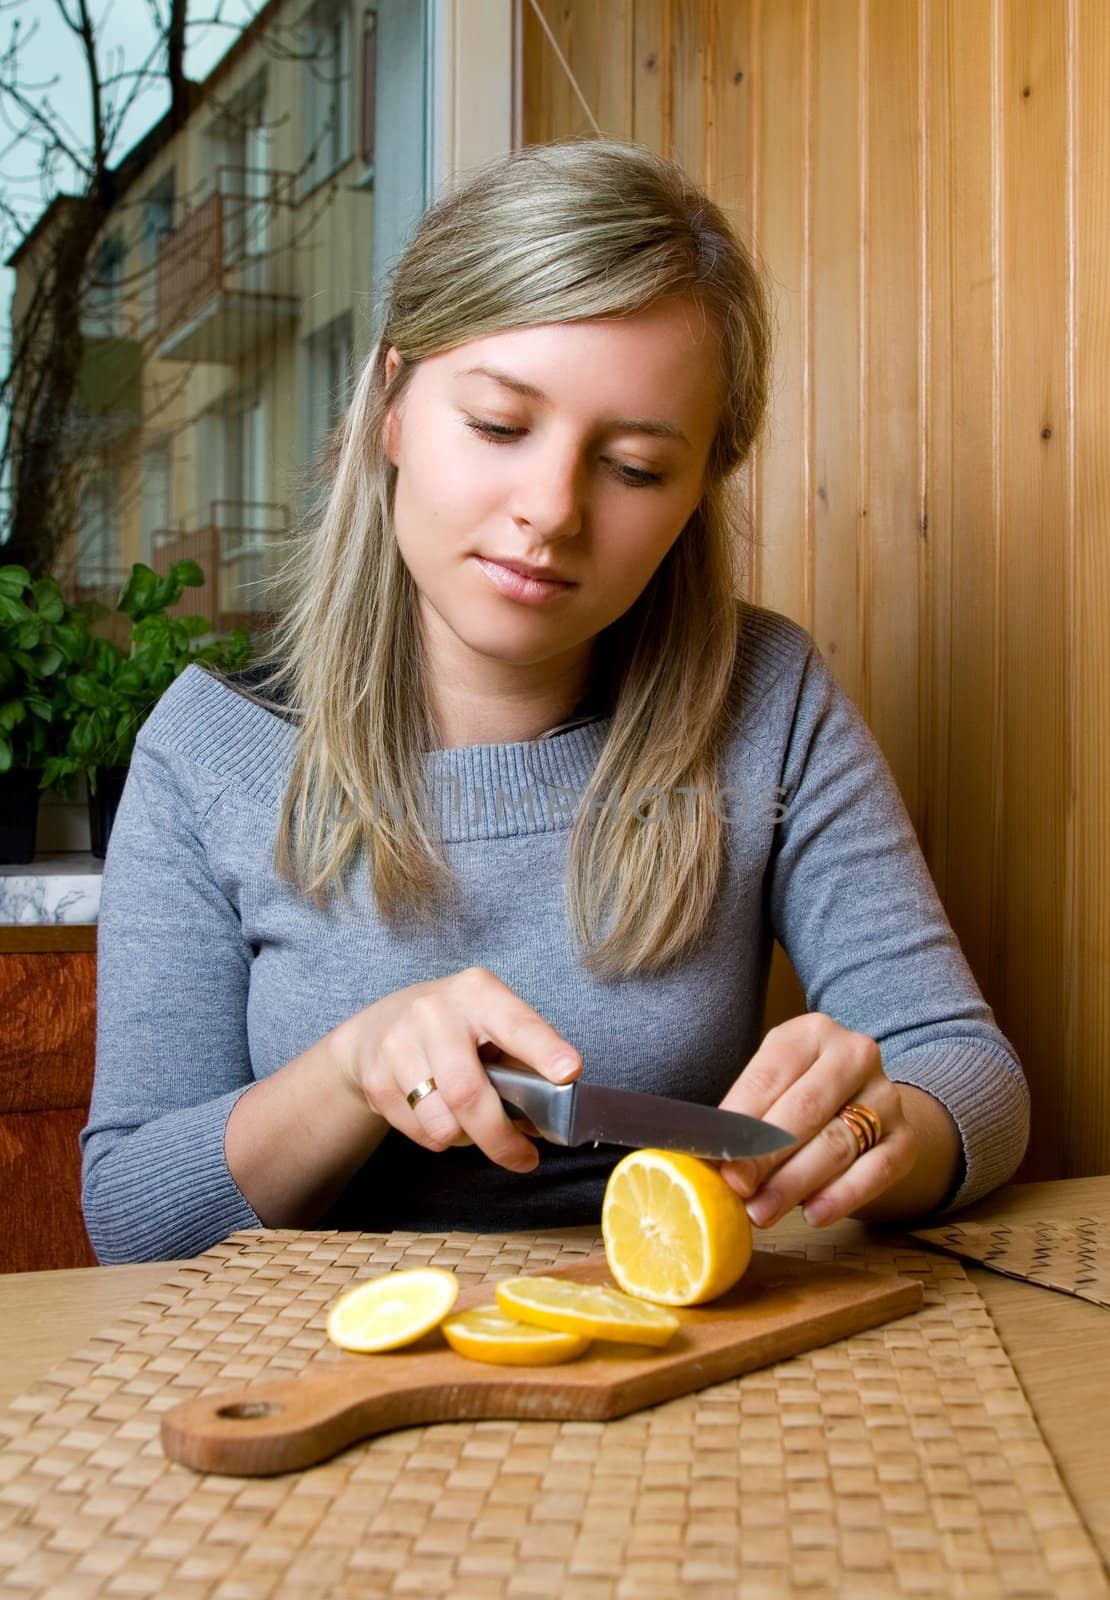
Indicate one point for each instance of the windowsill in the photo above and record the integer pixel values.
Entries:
(365, 179)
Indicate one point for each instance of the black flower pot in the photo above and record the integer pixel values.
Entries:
(105, 787)
(19, 813)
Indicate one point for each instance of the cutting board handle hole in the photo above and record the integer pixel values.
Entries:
(247, 1410)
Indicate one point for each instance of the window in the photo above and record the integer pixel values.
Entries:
(326, 142)
(102, 313)
(157, 222)
(330, 362)
(98, 532)
(233, 466)
(157, 493)
(239, 160)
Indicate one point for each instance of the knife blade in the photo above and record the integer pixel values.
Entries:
(588, 1113)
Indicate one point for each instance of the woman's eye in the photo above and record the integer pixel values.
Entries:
(497, 433)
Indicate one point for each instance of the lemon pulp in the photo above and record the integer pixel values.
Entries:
(593, 1310)
(393, 1310)
(675, 1233)
(487, 1334)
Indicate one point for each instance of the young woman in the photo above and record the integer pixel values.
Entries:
(464, 814)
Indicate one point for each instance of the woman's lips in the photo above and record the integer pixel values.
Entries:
(532, 591)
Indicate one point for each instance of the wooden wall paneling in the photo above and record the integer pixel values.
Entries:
(958, 815)
(892, 544)
(1084, 1069)
(691, 31)
(837, 616)
(610, 40)
(651, 72)
(1036, 535)
(550, 108)
(781, 152)
(597, 43)
(728, 158)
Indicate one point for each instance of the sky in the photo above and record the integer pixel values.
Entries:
(51, 60)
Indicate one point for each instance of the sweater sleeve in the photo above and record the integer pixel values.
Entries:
(171, 1048)
(854, 906)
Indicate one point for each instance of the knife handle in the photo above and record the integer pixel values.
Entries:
(547, 1106)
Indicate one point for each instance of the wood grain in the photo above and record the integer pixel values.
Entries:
(24, 939)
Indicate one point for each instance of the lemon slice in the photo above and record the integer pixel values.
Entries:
(584, 1308)
(392, 1310)
(486, 1334)
(674, 1232)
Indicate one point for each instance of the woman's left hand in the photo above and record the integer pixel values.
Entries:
(805, 1070)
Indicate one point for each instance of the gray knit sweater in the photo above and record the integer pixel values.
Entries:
(213, 972)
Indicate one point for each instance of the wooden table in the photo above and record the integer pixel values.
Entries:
(1059, 1345)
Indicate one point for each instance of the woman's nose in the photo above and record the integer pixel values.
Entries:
(550, 492)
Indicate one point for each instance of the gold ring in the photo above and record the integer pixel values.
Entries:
(422, 1089)
(864, 1123)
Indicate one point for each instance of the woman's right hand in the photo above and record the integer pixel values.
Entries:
(436, 1030)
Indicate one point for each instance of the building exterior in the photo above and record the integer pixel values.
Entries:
(234, 285)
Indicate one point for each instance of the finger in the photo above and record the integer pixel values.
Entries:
(474, 1104)
(510, 1023)
(786, 1054)
(830, 1152)
(867, 1177)
(434, 1132)
(849, 1067)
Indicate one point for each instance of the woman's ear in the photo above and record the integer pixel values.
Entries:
(391, 431)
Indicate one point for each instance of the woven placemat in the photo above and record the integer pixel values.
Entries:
(901, 1461)
(1072, 1256)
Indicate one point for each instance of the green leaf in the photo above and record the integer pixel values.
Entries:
(72, 639)
(188, 574)
(48, 599)
(12, 713)
(5, 755)
(138, 591)
(13, 581)
(48, 658)
(130, 679)
(28, 636)
(87, 690)
(193, 627)
(82, 739)
(13, 611)
(41, 708)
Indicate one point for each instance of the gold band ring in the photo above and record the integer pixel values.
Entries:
(428, 1086)
(864, 1123)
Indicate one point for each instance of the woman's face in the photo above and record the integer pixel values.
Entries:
(577, 447)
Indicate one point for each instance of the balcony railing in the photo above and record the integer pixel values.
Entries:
(225, 277)
(237, 547)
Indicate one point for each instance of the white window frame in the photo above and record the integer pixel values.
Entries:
(151, 240)
(102, 310)
(97, 562)
(321, 160)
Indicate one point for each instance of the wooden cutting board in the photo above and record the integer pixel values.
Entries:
(781, 1307)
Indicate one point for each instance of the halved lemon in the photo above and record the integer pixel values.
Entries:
(674, 1232)
(487, 1334)
(590, 1309)
(387, 1312)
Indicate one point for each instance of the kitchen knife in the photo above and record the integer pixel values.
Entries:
(587, 1113)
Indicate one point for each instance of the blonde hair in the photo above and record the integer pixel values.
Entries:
(550, 233)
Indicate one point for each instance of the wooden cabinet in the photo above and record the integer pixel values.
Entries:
(47, 1049)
